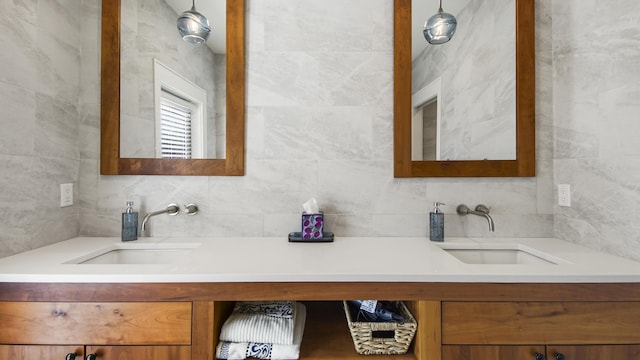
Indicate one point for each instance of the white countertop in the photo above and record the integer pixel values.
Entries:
(347, 259)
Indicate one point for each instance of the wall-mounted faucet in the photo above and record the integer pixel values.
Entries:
(481, 210)
(171, 209)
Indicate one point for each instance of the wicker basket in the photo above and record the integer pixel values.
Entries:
(397, 337)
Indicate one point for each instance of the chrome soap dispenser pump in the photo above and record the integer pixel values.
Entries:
(436, 223)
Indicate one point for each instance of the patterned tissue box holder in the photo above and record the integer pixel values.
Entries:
(312, 226)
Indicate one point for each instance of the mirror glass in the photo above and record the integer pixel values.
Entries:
(466, 107)
(463, 92)
(172, 93)
(164, 77)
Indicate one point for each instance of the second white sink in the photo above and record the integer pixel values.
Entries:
(474, 253)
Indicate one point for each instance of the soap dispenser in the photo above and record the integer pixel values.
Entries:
(129, 223)
(436, 223)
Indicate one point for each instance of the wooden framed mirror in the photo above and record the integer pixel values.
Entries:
(111, 162)
(524, 131)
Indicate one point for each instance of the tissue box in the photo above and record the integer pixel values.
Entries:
(312, 226)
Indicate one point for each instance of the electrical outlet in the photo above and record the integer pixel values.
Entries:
(66, 195)
(564, 195)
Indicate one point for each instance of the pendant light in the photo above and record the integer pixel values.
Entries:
(193, 26)
(440, 27)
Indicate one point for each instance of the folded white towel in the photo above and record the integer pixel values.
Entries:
(260, 322)
(242, 350)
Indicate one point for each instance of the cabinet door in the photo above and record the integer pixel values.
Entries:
(140, 352)
(31, 352)
(117, 323)
(594, 352)
(491, 352)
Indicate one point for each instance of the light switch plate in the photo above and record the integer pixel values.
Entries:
(66, 195)
(564, 195)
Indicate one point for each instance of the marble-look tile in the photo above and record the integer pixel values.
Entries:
(202, 225)
(413, 225)
(29, 203)
(57, 128)
(254, 26)
(318, 133)
(282, 79)
(20, 9)
(350, 224)
(355, 78)
(254, 145)
(292, 25)
(51, 173)
(382, 134)
(93, 223)
(604, 200)
(367, 187)
(150, 193)
(544, 81)
(58, 67)
(62, 19)
(502, 196)
(274, 186)
(17, 117)
(281, 224)
(382, 30)
(88, 190)
(90, 64)
(20, 52)
(618, 121)
(89, 140)
(506, 225)
(545, 186)
(595, 106)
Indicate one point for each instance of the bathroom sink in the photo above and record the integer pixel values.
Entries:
(473, 253)
(151, 253)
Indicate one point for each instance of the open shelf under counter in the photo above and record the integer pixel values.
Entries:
(327, 335)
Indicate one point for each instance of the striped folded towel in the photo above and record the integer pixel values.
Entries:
(269, 351)
(260, 322)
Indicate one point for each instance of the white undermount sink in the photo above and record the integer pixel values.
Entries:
(511, 253)
(137, 253)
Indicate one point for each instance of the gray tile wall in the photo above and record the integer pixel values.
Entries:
(596, 114)
(40, 120)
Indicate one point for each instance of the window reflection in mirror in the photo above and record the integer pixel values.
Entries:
(149, 39)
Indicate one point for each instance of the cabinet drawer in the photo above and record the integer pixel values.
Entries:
(114, 323)
(541, 322)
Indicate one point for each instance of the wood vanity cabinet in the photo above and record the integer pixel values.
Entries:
(541, 352)
(30, 352)
(541, 330)
(456, 321)
(110, 330)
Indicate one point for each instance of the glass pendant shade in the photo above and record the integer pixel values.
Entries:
(193, 26)
(440, 27)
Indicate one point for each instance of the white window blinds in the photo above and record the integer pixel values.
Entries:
(175, 129)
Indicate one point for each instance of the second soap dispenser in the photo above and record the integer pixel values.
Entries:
(436, 223)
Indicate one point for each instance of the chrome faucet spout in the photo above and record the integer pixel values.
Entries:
(481, 210)
(171, 209)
